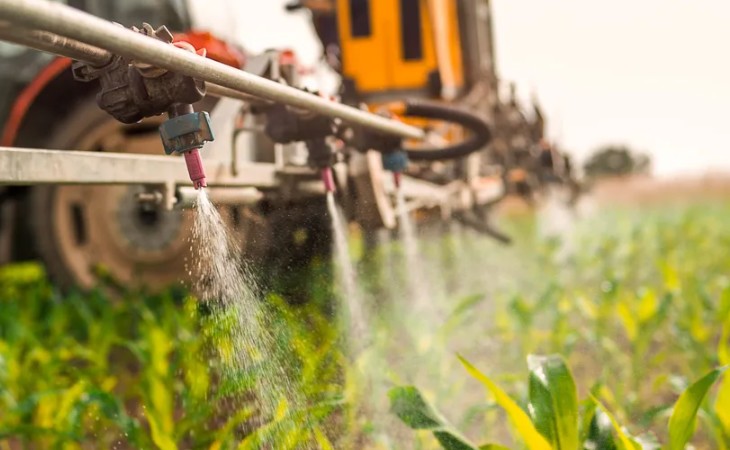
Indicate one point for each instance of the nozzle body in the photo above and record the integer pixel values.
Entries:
(328, 179)
(185, 132)
(396, 162)
(397, 177)
(195, 168)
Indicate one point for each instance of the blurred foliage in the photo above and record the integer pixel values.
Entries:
(637, 302)
(616, 161)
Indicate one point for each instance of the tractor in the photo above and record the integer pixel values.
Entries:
(107, 209)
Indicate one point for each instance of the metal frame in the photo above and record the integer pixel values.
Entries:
(62, 46)
(64, 31)
(78, 25)
(59, 29)
(23, 166)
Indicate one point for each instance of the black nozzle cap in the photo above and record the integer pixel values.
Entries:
(321, 154)
(283, 125)
(364, 140)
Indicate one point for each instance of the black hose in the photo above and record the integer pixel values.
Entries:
(480, 133)
(294, 6)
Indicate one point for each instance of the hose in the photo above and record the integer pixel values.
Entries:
(480, 133)
(294, 6)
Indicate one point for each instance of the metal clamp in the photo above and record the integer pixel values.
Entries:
(132, 90)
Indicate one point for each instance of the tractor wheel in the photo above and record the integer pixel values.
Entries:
(85, 233)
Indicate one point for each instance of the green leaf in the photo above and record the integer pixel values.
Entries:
(461, 313)
(322, 440)
(625, 442)
(519, 418)
(467, 304)
(600, 433)
(408, 404)
(723, 393)
(450, 441)
(721, 405)
(289, 429)
(683, 420)
(723, 348)
(553, 403)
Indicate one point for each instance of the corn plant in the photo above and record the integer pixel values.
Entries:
(136, 372)
(554, 419)
(641, 306)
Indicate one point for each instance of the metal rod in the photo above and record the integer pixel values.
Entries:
(24, 166)
(46, 41)
(217, 90)
(66, 21)
(187, 196)
(53, 43)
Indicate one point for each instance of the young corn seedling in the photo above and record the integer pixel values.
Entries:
(554, 418)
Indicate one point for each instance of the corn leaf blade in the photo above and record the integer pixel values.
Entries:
(600, 432)
(408, 404)
(625, 442)
(553, 403)
(411, 408)
(723, 395)
(519, 418)
(683, 419)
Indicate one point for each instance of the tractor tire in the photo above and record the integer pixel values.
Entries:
(90, 233)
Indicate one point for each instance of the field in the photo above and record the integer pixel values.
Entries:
(636, 300)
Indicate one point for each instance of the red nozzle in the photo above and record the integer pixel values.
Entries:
(328, 179)
(195, 168)
(397, 179)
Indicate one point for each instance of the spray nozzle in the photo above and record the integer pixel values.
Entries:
(328, 179)
(186, 132)
(396, 162)
(195, 168)
(397, 176)
(322, 156)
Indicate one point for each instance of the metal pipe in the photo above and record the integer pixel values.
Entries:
(24, 166)
(187, 197)
(217, 90)
(66, 21)
(53, 43)
(62, 46)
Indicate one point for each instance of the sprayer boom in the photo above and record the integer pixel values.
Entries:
(83, 27)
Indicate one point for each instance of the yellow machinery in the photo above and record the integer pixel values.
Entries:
(391, 51)
(395, 49)
(405, 49)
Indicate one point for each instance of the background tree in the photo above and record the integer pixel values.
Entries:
(616, 160)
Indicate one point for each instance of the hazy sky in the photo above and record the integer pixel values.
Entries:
(653, 74)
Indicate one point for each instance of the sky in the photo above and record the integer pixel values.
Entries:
(651, 74)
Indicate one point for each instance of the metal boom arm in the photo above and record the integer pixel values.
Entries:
(86, 28)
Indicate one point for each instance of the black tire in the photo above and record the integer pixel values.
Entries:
(72, 132)
(289, 244)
